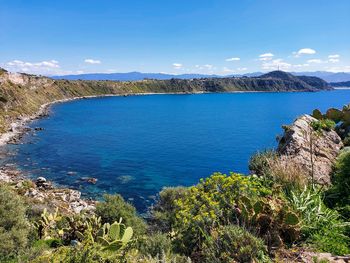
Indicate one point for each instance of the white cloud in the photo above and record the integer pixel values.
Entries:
(333, 60)
(334, 56)
(304, 51)
(276, 64)
(233, 59)
(177, 65)
(42, 67)
(226, 70)
(316, 61)
(208, 66)
(92, 61)
(266, 56)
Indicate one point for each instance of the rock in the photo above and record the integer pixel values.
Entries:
(36, 194)
(301, 144)
(40, 180)
(5, 178)
(74, 195)
(90, 180)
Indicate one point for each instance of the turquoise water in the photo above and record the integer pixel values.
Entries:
(138, 144)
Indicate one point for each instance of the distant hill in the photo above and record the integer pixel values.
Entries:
(340, 84)
(327, 76)
(133, 76)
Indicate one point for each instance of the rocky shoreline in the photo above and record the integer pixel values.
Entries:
(43, 193)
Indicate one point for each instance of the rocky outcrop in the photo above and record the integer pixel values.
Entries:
(314, 151)
(42, 193)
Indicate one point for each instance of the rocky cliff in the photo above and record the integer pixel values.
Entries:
(314, 151)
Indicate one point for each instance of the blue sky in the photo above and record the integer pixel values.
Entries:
(178, 36)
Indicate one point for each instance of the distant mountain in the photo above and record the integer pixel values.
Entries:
(132, 76)
(327, 76)
(340, 84)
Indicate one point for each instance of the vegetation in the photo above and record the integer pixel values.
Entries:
(14, 226)
(114, 207)
(323, 124)
(338, 196)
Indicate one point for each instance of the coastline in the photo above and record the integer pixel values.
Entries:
(18, 127)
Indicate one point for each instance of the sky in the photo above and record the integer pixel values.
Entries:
(178, 36)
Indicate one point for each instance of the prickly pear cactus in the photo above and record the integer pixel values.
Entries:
(114, 237)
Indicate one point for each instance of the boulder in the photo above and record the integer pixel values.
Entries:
(301, 144)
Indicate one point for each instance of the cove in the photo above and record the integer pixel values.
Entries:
(137, 145)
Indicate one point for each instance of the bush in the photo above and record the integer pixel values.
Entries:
(14, 226)
(338, 196)
(114, 207)
(233, 244)
(236, 199)
(259, 163)
(330, 240)
(324, 124)
(320, 226)
(163, 213)
(155, 245)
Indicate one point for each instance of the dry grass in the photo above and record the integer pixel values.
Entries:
(287, 173)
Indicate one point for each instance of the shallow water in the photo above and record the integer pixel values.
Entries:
(138, 144)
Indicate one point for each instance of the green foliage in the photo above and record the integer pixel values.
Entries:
(81, 227)
(259, 163)
(334, 115)
(163, 213)
(155, 245)
(317, 114)
(320, 225)
(48, 225)
(14, 226)
(223, 200)
(338, 195)
(330, 240)
(340, 117)
(114, 207)
(114, 237)
(323, 125)
(233, 244)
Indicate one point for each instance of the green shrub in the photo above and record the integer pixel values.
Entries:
(155, 245)
(330, 240)
(338, 196)
(320, 226)
(114, 207)
(325, 124)
(259, 163)
(233, 244)
(163, 213)
(14, 226)
(236, 199)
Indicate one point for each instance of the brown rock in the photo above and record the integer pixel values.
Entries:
(306, 147)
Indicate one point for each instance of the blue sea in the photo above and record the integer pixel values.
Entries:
(137, 145)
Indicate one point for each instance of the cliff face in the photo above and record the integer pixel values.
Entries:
(23, 94)
(305, 147)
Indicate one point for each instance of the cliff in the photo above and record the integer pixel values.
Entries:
(315, 152)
